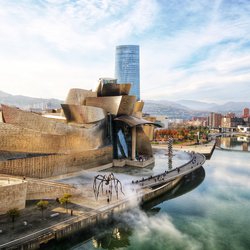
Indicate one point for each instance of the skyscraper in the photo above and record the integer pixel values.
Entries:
(127, 67)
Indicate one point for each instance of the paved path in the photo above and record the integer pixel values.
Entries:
(196, 161)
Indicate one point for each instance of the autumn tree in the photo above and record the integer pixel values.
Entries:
(13, 213)
(42, 205)
(65, 200)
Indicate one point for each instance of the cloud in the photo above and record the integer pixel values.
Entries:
(189, 49)
(48, 47)
(156, 232)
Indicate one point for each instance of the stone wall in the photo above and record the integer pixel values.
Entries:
(52, 165)
(12, 194)
(18, 139)
(38, 190)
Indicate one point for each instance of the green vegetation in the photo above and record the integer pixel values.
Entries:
(42, 205)
(189, 135)
(13, 213)
(65, 200)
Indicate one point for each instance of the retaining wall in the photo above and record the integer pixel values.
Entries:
(12, 194)
(53, 165)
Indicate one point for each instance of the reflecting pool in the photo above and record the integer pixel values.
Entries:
(209, 209)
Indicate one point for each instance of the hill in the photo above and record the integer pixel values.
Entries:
(26, 102)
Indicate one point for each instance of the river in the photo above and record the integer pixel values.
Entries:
(209, 209)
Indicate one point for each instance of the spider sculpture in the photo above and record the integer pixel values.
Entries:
(110, 181)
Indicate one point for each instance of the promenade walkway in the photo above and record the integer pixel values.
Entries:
(196, 161)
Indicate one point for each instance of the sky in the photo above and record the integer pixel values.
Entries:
(189, 49)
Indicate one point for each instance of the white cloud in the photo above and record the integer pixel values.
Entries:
(157, 232)
(224, 64)
(57, 44)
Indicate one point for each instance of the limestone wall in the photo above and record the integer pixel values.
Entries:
(18, 139)
(48, 190)
(52, 165)
(12, 194)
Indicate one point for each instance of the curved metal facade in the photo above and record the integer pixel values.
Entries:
(83, 114)
(127, 67)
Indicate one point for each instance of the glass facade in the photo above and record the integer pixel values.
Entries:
(127, 67)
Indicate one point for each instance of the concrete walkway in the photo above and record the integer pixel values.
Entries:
(197, 160)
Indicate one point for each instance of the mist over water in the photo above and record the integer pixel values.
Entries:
(208, 210)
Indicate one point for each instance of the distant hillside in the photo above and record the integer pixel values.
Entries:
(236, 107)
(26, 102)
(197, 105)
(193, 108)
(171, 110)
(183, 109)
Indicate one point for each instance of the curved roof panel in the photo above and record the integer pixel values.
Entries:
(132, 121)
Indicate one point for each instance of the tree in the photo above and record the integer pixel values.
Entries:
(42, 205)
(13, 213)
(65, 200)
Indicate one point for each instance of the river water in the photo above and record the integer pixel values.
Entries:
(209, 209)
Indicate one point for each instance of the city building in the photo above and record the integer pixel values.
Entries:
(229, 124)
(197, 121)
(246, 113)
(127, 67)
(230, 115)
(214, 120)
(243, 129)
(163, 120)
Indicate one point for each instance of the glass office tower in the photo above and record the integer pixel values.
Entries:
(127, 67)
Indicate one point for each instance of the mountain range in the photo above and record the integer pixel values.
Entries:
(183, 109)
(186, 109)
(236, 107)
(27, 103)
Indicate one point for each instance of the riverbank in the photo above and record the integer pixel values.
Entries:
(86, 211)
(205, 149)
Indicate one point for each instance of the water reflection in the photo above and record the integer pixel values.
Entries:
(170, 162)
(240, 143)
(113, 239)
(187, 184)
(117, 235)
(213, 213)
